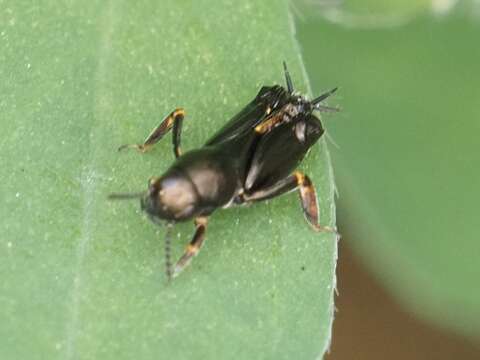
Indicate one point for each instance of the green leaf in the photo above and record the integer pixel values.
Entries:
(408, 162)
(82, 277)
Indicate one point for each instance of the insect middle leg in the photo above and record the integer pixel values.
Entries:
(307, 193)
(175, 120)
(193, 248)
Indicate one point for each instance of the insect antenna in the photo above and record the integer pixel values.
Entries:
(288, 79)
(322, 97)
(168, 258)
(324, 108)
(125, 196)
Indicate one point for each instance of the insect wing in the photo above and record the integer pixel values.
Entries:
(252, 114)
(279, 152)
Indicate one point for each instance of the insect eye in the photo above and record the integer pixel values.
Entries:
(152, 181)
(153, 186)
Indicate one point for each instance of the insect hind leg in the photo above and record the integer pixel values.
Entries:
(306, 191)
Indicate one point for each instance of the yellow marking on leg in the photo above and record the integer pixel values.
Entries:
(268, 124)
(192, 249)
(264, 127)
(153, 180)
(201, 220)
(178, 112)
(300, 178)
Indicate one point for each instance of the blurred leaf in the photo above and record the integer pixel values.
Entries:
(408, 162)
(83, 277)
(369, 13)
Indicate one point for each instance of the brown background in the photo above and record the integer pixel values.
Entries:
(369, 324)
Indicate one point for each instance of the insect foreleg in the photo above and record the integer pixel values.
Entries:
(193, 247)
(175, 120)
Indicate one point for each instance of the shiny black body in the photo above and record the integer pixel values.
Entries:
(252, 158)
(237, 160)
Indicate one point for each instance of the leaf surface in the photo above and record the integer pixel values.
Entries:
(82, 277)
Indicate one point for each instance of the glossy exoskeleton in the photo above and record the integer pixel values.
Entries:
(252, 158)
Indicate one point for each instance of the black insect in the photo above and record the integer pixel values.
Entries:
(252, 158)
